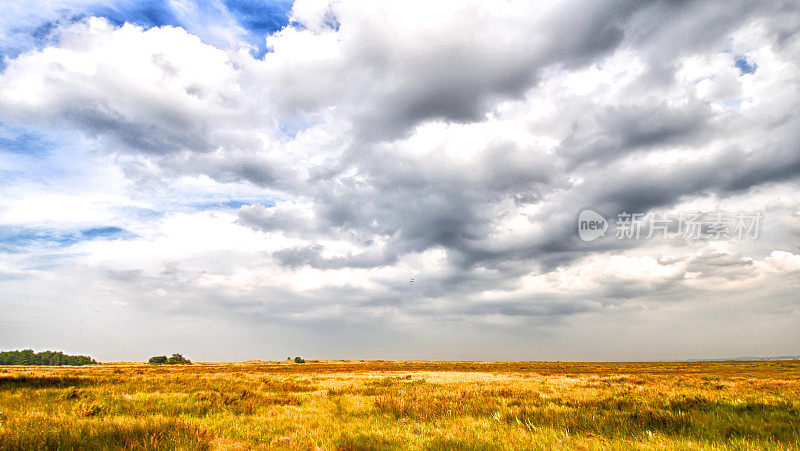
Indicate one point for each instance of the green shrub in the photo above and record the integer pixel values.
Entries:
(178, 359)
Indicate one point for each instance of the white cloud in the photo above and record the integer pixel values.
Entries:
(403, 165)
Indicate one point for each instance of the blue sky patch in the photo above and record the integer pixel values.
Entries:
(13, 239)
(21, 141)
(104, 233)
(744, 65)
(36, 29)
(144, 214)
(234, 204)
(260, 18)
(145, 13)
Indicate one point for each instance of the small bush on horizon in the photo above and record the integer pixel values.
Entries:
(299, 360)
(175, 359)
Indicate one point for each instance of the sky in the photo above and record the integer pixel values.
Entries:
(249, 179)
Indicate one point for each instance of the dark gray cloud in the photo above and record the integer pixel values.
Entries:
(164, 132)
(395, 77)
(616, 132)
(413, 208)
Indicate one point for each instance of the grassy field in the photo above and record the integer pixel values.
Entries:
(403, 405)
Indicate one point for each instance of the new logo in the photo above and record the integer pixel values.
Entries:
(591, 225)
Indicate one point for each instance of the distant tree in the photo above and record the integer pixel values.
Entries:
(177, 359)
(299, 360)
(28, 357)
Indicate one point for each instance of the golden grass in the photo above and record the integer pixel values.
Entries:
(403, 405)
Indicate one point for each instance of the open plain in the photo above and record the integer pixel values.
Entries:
(403, 405)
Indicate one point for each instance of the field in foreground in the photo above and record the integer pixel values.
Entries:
(416, 405)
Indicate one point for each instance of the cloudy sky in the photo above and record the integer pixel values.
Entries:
(243, 179)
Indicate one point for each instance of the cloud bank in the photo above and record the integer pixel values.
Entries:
(383, 179)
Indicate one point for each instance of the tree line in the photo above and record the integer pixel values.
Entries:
(28, 357)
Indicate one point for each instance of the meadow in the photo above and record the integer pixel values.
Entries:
(403, 405)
